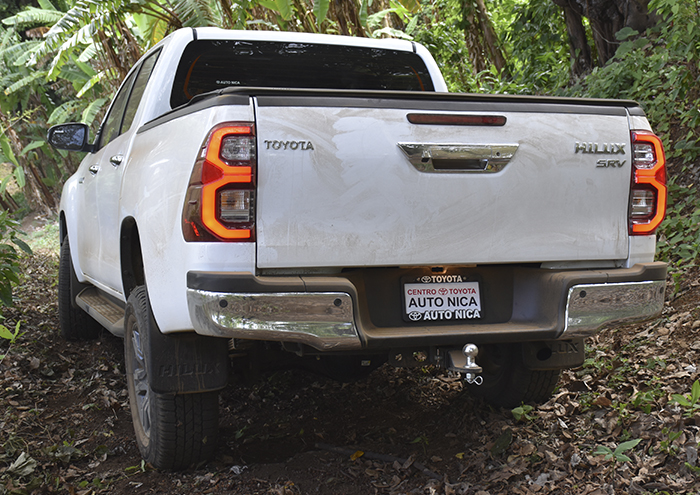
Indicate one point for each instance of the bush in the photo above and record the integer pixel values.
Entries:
(9, 257)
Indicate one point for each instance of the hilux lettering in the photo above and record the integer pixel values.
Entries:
(600, 149)
(188, 369)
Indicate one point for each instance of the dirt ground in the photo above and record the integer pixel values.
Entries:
(65, 425)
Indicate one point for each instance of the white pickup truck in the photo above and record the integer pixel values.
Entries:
(264, 199)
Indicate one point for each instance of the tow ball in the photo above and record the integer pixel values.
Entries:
(464, 361)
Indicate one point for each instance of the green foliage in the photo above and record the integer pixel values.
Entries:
(65, 453)
(96, 482)
(6, 334)
(689, 402)
(539, 53)
(667, 445)
(617, 455)
(320, 10)
(10, 336)
(645, 401)
(138, 468)
(660, 70)
(9, 257)
(439, 29)
(679, 234)
(45, 238)
(423, 441)
(522, 413)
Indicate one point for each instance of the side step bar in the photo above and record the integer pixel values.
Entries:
(105, 310)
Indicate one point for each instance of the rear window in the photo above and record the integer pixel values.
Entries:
(208, 65)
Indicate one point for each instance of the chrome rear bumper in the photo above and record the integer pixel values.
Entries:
(362, 309)
(323, 320)
(592, 306)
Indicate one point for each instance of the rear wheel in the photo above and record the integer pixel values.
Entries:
(507, 382)
(173, 431)
(75, 323)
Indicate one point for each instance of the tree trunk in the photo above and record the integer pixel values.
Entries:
(481, 39)
(8, 203)
(44, 192)
(490, 37)
(578, 43)
(35, 191)
(607, 17)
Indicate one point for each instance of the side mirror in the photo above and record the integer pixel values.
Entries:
(70, 137)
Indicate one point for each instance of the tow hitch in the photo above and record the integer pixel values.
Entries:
(464, 361)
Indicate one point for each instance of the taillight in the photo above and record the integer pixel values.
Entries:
(648, 195)
(220, 201)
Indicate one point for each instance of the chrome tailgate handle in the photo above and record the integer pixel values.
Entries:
(458, 158)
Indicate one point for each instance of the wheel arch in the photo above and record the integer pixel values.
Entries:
(131, 257)
(62, 227)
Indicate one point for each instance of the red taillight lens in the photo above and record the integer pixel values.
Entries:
(648, 195)
(220, 201)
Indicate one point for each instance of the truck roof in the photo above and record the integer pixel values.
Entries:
(206, 33)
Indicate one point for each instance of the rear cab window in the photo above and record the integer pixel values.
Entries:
(209, 65)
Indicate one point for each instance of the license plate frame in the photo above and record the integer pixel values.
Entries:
(427, 299)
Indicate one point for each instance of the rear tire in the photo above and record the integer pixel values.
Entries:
(173, 431)
(75, 323)
(507, 382)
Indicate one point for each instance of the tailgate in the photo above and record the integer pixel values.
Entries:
(351, 182)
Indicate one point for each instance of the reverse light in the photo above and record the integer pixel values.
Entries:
(220, 200)
(643, 203)
(235, 205)
(648, 195)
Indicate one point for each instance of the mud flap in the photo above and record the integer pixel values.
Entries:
(553, 355)
(187, 363)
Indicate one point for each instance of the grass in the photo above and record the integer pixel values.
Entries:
(44, 238)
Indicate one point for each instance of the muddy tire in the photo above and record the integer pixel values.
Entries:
(507, 382)
(75, 323)
(173, 431)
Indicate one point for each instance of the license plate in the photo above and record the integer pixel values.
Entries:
(441, 298)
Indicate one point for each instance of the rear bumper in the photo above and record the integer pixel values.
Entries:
(593, 306)
(362, 309)
(323, 320)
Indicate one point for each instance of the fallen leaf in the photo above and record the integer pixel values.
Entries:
(528, 448)
(24, 465)
(502, 443)
(356, 455)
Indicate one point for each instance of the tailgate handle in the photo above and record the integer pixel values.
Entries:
(458, 158)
